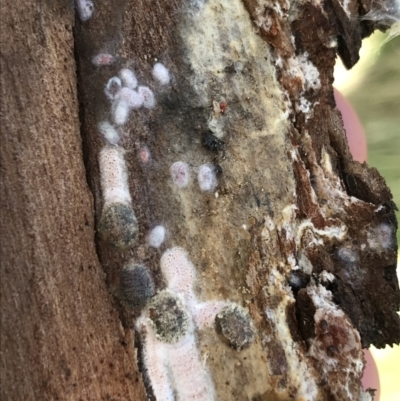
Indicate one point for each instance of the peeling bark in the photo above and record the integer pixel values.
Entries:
(293, 230)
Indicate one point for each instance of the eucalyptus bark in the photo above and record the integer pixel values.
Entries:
(295, 231)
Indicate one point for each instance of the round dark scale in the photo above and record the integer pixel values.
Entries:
(234, 324)
(136, 285)
(169, 317)
(118, 225)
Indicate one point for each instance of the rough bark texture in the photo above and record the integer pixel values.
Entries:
(61, 338)
(295, 232)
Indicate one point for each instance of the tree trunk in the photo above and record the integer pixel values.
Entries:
(233, 250)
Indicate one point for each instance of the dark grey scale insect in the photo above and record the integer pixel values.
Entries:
(118, 225)
(169, 317)
(234, 324)
(211, 142)
(136, 285)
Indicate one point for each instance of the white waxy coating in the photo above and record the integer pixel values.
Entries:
(178, 270)
(348, 255)
(381, 237)
(149, 101)
(144, 154)
(156, 236)
(108, 132)
(154, 357)
(112, 88)
(177, 367)
(310, 72)
(128, 78)
(204, 313)
(161, 74)
(193, 382)
(120, 112)
(207, 178)
(180, 174)
(85, 9)
(131, 97)
(114, 176)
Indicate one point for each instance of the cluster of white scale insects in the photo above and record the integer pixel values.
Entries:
(118, 225)
(170, 317)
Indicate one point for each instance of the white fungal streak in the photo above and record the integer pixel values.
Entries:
(114, 176)
(180, 174)
(131, 97)
(179, 271)
(108, 132)
(207, 178)
(85, 9)
(161, 74)
(310, 72)
(204, 313)
(120, 112)
(180, 362)
(191, 380)
(149, 101)
(155, 358)
(156, 236)
(128, 78)
(113, 87)
(338, 232)
(180, 274)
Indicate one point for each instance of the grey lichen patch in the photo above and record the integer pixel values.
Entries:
(118, 225)
(136, 285)
(169, 316)
(234, 324)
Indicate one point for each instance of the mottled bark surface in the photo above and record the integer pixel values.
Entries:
(295, 231)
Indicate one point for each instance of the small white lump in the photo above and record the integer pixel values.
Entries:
(149, 101)
(156, 236)
(131, 97)
(128, 78)
(161, 74)
(109, 133)
(113, 87)
(120, 112)
(85, 9)
(180, 174)
(207, 178)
